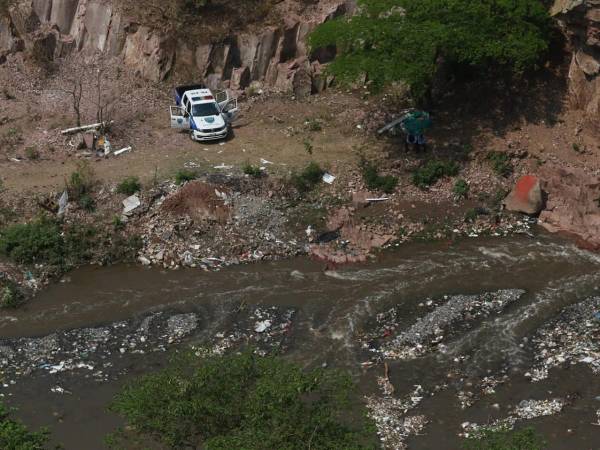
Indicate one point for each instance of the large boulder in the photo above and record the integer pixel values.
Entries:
(573, 205)
(526, 196)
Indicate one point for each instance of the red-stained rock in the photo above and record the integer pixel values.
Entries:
(526, 196)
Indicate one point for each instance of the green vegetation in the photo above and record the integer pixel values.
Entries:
(253, 171)
(313, 124)
(577, 148)
(525, 439)
(32, 153)
(432, 171)
(373, 180)
(306, 180)
(242, 401)
(405, 40)
(308, 146)
(10, 295)
(45, 241)
(471, 215)
(15, 436)
(81, 182)
(11, 139)
(185, 175)
(87, 202)
(461, 188)
(129, 186)
(500, 163)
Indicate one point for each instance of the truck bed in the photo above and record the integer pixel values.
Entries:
(180, 90)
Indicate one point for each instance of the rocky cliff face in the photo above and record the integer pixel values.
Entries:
(580, 21)
(276, 56)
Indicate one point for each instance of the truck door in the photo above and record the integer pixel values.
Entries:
(231, 110)
(222, 99)
(179, 118)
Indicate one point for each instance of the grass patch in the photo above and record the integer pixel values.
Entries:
(432, 171)
(262, 403)
(253, 171)
(461, 188)
(16, 436)
(129, 186)
(525, 439)
(81, 182)
(306, 180)
(185, 175)
(313, 124)
(371, 177)
(500, 163)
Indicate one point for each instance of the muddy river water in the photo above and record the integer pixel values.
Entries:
(418, 308)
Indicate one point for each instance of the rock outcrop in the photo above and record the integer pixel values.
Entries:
(580, 22)
(573, 205)
(275, 56)
(526, 196)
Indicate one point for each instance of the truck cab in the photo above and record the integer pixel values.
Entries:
(207, 116)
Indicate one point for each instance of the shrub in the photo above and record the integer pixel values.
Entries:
(373, 180)
(10, 295)
(184, 175)
(313, 125)
(500, 163)
(432, 171)
(81, 182)
(44, 241)
(32, 153)
(261, 403)
(15, 436)
(494, 37)
(87, 202)
(253, 171)
(308, 146)
(310, 176)
(471, 215)
(525, 439)
(461, 188)
(129, 186)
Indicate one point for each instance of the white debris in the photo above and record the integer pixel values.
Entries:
(123, 150)
(328, 178)
(131, 203)
(262, 326)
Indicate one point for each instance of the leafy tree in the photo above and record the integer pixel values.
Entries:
(243, 401)
(15, 436)
(404, 40)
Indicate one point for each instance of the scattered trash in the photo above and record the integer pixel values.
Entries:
(378, 199)
(123, 150)
(262, 326)
(62, 202)
(130, 204)
(264, 161)
(93, 126)
(328, 178)
(222, 166)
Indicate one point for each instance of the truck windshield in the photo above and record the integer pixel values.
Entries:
(205, 109)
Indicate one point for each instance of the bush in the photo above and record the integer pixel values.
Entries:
(432, 171)
(461, 188)
(81, 182)
(373, 180)
(313, 125)
(32, 153)
(15, 436)
(10, 295)
(494, 37)
(44, 241)
(500, 163)
(310, 176)
(87, 202)
(253, 171)
(525, 439)
(243, 401)
(185, 175)
(129, 186)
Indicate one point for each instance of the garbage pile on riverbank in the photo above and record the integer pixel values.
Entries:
(571, 338)
(93, 350)
(429, 331)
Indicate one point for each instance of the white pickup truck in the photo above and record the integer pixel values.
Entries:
(207, 116)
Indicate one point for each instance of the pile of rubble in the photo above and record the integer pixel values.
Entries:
(389, 414)
(570, 338)
(429, 331)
